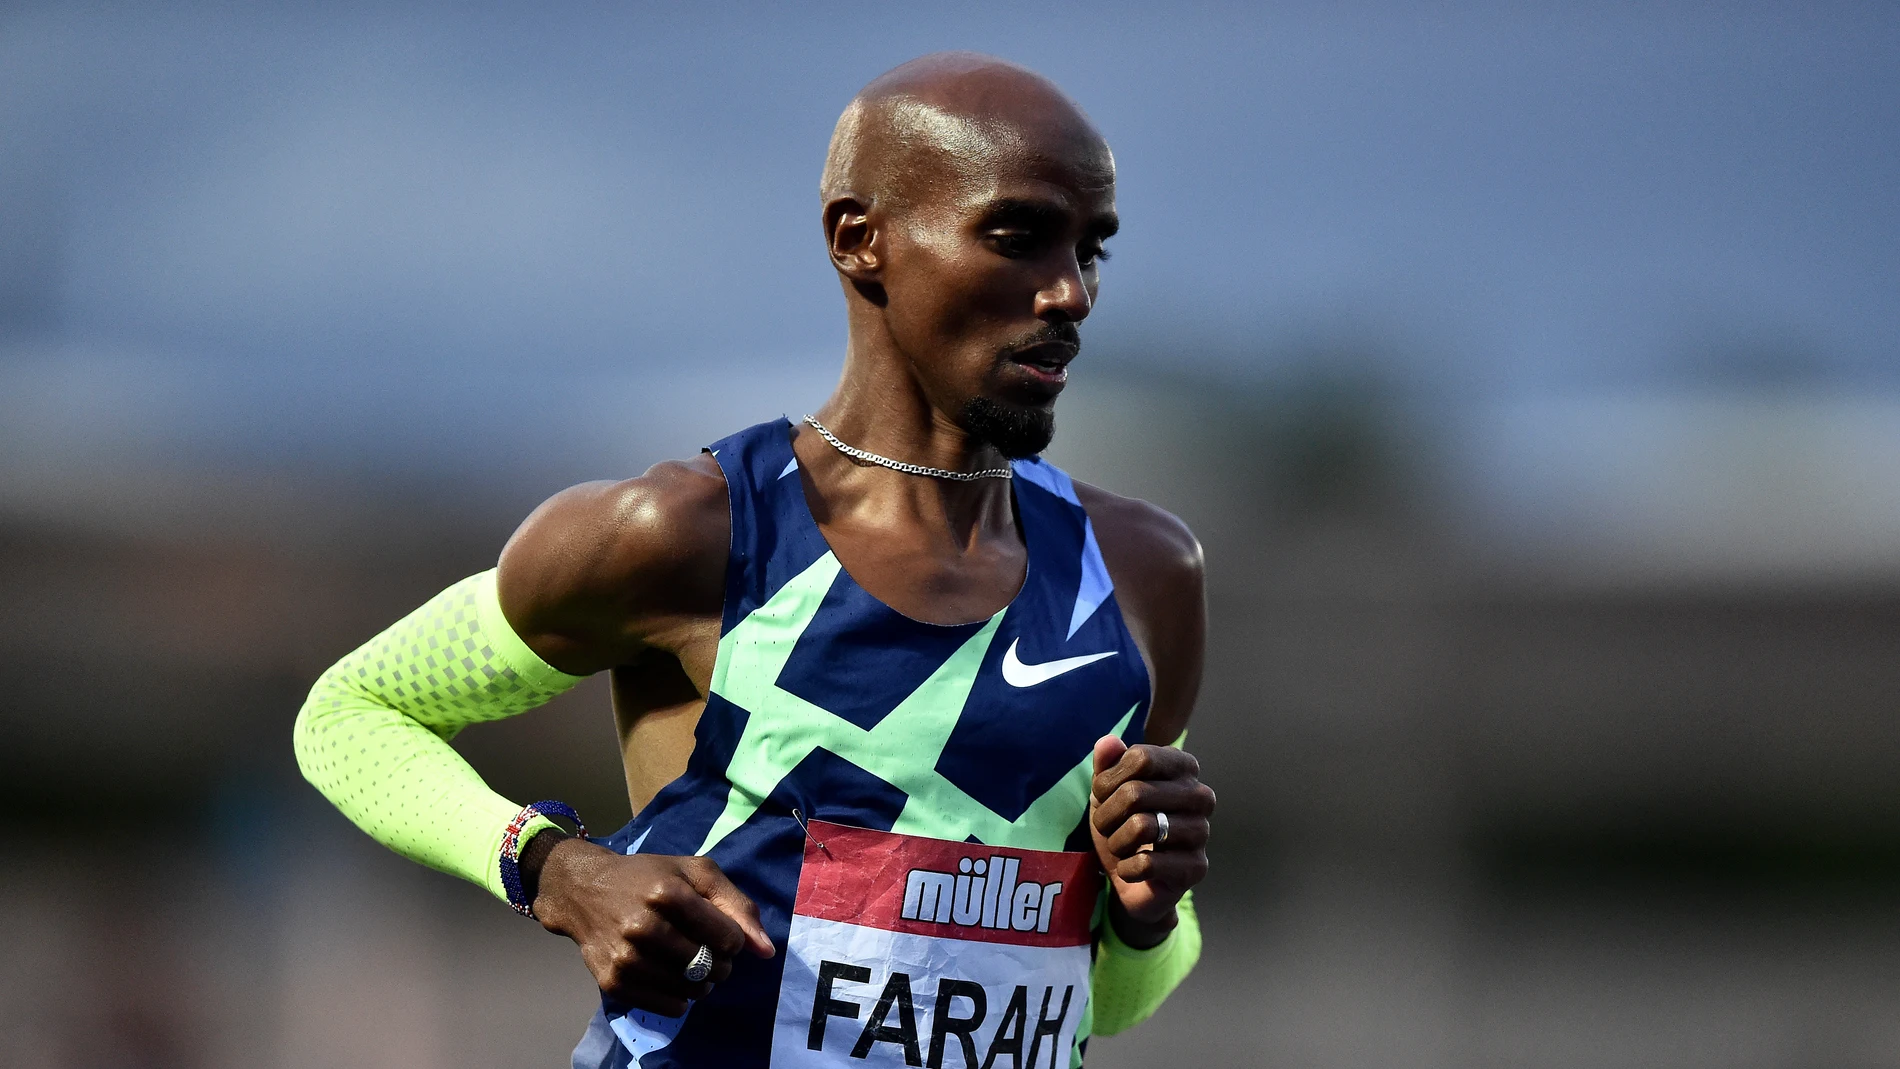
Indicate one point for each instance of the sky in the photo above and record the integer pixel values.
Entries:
(340, 231)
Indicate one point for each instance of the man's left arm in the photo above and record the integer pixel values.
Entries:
(1151, 938)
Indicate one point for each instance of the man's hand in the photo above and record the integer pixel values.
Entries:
(1132, 785)
(639, 920)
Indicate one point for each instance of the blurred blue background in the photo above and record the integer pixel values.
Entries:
(1528, 371)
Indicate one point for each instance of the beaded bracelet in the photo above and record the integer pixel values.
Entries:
(511, 848)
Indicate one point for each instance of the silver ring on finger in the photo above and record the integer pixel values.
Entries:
(1162, 835)
(701, 965)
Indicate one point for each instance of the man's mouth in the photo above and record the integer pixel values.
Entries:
(1047, 363)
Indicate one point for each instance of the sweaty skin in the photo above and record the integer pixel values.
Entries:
(965, 203)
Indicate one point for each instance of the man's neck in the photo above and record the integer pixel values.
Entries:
(898, 424)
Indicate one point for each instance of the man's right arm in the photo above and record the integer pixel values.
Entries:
(590, 580)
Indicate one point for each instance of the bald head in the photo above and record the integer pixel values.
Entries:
(966, 203)
(954, 116)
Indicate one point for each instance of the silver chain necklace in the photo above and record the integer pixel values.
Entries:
(898, 465)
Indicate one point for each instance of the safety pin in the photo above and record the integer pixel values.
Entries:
(800, 817)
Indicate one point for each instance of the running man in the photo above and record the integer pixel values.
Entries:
(895, 696)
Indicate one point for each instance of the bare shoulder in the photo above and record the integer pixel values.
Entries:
(1159, 573)
(588, 572)
(1144, 542)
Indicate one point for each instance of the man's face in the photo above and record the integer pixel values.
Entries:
(990, 266)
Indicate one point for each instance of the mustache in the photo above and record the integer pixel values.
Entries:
(1063, 334)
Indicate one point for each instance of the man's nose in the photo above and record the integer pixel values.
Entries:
(1066, 297)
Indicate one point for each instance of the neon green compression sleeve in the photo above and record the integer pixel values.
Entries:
(1129, 985)
(373, 735)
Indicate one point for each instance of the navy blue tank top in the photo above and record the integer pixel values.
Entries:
(827, 702)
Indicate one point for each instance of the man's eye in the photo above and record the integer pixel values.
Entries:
(1014, 242)
(1093, 254)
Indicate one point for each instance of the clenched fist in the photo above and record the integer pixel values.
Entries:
(1133, 787)
(640, 919)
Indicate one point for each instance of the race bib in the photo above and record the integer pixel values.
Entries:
(909, 951)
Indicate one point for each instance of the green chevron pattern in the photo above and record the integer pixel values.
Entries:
(783, 729)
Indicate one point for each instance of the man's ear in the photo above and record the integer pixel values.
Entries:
(852, 239)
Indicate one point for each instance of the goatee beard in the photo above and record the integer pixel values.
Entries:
(1016, 431)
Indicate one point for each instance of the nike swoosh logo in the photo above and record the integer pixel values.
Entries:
(1018, 674)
